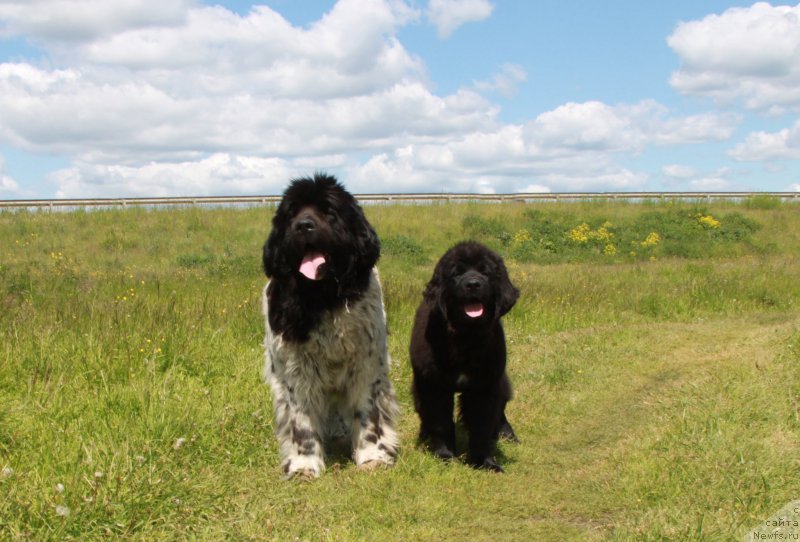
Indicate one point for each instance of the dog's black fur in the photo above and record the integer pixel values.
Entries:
(316, 214)
(453, 352)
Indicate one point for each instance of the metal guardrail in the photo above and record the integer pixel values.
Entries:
(393, 198)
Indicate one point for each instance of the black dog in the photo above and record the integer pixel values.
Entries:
(458, 346)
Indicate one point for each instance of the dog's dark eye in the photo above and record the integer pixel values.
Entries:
(459, 269)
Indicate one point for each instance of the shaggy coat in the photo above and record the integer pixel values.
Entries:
(327, 361)
(458, 347)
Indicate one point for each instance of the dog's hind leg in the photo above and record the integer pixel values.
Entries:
(375, 440)
(506, 432)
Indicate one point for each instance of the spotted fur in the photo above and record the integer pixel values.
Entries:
(328, 371)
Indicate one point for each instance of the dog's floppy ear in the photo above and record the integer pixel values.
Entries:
(507, 293)
(368, 246)
(361, 251)
(273, 258)
(270, 256)
(434, 290)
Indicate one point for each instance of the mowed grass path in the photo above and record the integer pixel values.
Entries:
(656, 393)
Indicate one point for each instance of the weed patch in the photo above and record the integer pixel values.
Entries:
(404, 248)
(554, 237)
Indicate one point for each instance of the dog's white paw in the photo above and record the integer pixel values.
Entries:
(303, 467)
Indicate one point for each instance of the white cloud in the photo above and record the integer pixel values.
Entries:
(216, 175)
(710, 184)
(350, 51)
(583, 126)
(534, 189)
(793, 188)
(597, 126)
(497, 161)
(81, 20)
(448, 15)
(504, 82)
(352, 94)
(677, 171)
(570, 148)
(769, 146)
(8, 186)
(200, 100)
(751, 53)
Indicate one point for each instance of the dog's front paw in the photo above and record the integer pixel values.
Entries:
(375, 455)
(488, 463)
(303, 468)
(443, 452)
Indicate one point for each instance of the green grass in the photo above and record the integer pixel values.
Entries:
(656, 394)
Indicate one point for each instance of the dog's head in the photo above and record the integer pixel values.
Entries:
(470, 286)
(320, 235)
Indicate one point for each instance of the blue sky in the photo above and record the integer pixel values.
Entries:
(181, 97)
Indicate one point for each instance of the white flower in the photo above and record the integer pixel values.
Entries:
(179, 443)
(62, 511)
(59, 488)
(7, 472)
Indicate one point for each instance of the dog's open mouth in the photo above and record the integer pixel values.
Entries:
(474, 310)
(312, 265)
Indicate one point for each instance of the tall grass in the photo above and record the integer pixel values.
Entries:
(656, 394)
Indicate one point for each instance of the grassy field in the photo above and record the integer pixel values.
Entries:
(655, 354)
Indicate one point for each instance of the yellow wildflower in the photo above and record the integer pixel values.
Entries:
(602, 234)
(580, 234)
(651, 240)
(522, 236)
(708, 222)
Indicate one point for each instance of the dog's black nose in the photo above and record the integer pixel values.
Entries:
(472, 284)
(305, 225)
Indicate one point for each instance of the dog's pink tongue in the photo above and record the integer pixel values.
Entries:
(474, 310)
(310, 265)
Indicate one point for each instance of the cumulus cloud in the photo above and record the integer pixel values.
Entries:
(750, 54)
(8, 186)
(82, 20)
(769, 146)
(448, 15)
(534, 189)
(198, 100)
(505, 82)
(217, 174)
(601, 127)
(711, 184)
(499, 161)
(689, 178)
(677, 171)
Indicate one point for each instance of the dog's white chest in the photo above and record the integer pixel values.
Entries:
(338, 351)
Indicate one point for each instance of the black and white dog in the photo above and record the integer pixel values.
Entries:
(327, 360)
